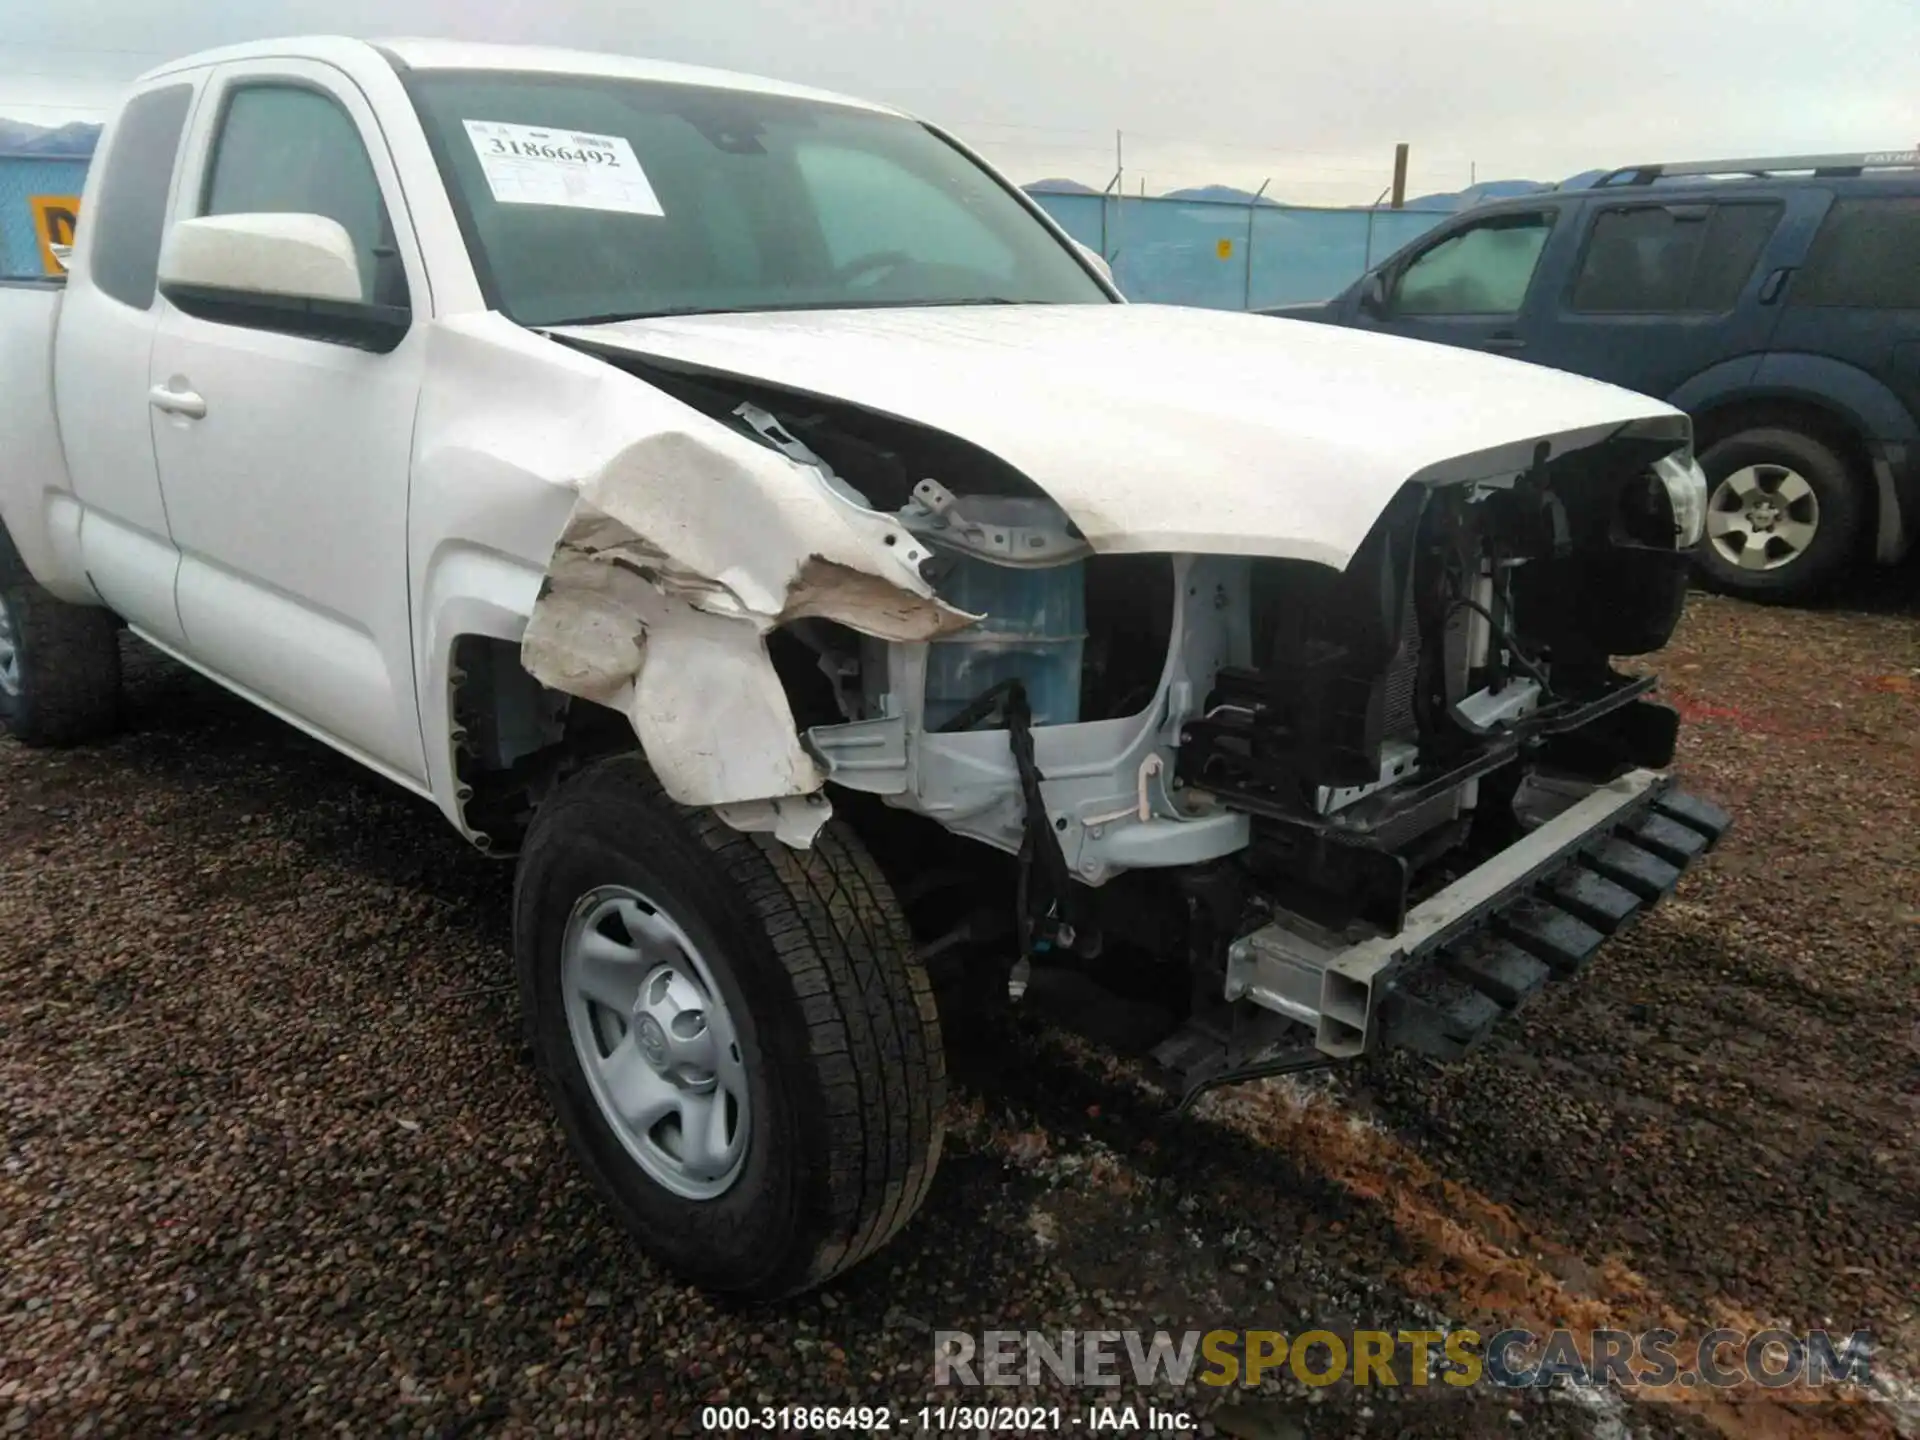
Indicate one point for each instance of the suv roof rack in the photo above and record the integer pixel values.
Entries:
(1820, 165)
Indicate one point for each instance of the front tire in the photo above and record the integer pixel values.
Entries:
(59, 663)
(741, 1048)
(1784, 515)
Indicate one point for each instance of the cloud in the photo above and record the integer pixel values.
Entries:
(1213, 90)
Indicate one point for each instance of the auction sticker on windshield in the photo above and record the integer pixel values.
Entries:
(526, 165)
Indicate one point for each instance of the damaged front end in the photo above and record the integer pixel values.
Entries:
(678, 560)
(1329, 809)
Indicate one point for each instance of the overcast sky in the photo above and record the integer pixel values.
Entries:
(1234, 91)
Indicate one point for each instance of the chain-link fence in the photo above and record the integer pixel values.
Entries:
(1233, 257)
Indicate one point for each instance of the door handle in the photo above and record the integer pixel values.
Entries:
(177, 402)
(1771, 287)
(1507, 340)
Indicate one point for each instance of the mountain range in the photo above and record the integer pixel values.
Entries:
(77, 138)
(1444, 200)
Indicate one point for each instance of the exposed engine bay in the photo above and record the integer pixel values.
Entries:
(1165, 754)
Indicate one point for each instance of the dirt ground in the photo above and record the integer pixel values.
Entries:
(274, 1163)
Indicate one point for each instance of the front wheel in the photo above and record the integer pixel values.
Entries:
(742, 1050)
(1784, 515)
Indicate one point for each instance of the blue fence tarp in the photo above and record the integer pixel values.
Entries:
(1232, 257)
(35, 191)
(1177, 252)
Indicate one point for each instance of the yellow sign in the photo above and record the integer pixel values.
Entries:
(54, 217)
(1224, 249)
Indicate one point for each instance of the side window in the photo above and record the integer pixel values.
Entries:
(1867, 254)
(1482, 270)
(1644, 259)
(130, 212)
(868, 206)
(287, 149)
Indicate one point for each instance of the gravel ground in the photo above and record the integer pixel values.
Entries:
(274, 1163)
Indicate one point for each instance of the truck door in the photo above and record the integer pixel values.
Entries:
(100, 359)
(285, 457)
(1471, 284)
(1664, 289)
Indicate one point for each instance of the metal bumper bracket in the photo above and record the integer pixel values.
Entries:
(1479, 948)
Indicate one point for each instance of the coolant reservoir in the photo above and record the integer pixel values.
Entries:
(1015, 562)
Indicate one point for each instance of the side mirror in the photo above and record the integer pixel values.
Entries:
(1094, 258)
(296, 273)
(308, 257)
(1373, 293)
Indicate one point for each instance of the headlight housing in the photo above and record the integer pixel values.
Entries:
(1686, 487)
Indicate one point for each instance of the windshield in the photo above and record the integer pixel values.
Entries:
(585, 198)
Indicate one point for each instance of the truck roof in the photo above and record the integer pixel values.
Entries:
(431, 54)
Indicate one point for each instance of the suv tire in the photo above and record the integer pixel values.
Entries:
(1784, 515)
(59, 663)
(743, 1052)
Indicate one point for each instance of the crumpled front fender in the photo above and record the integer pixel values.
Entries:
(681, 553)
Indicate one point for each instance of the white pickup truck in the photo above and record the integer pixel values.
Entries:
(644, 464)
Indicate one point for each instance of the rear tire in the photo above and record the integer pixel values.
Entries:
(786, 994)
(1784, 515)
(59, 663)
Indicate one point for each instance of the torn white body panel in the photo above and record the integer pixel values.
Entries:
(684, 543)
(1166, 429)
(702, 698)
(682, 552)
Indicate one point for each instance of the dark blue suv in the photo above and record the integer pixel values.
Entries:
(1776, 301)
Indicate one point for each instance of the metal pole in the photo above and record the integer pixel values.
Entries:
(1367, 264)
(1246, 293)
(1106, 250)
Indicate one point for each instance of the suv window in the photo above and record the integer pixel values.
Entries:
(1482, 270)
(288, 149)
(1867, 254)
(130, 211)
(1670, 258)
